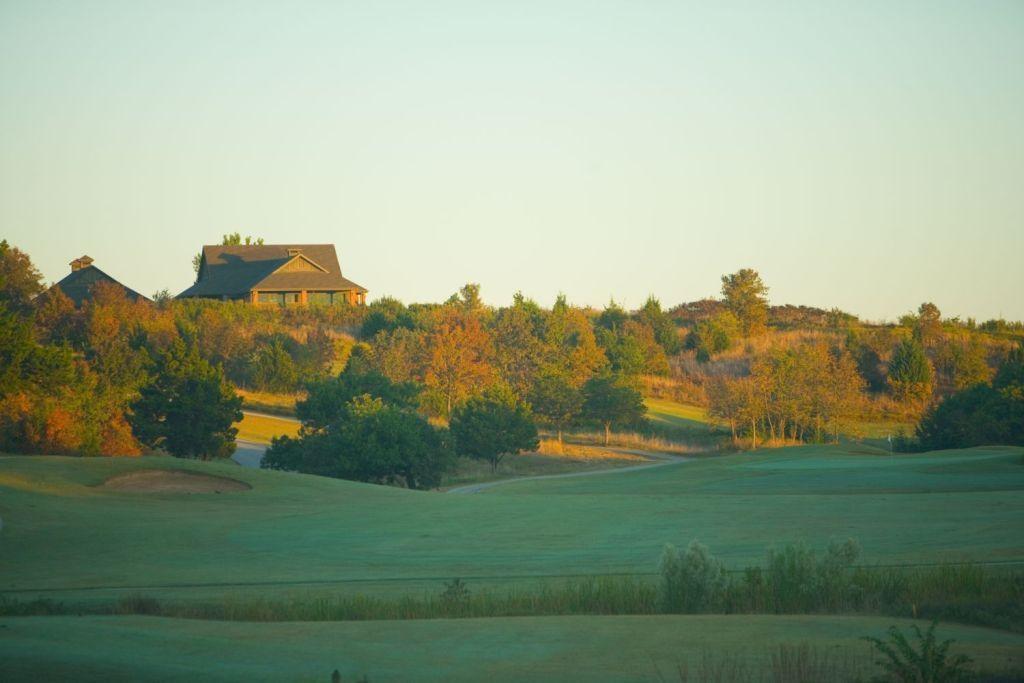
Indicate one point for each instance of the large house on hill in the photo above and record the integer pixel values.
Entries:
(279, 274)
(78, 285)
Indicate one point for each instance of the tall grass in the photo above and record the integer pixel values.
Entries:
(794, 580)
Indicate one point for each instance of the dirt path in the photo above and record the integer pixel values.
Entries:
(661, 459)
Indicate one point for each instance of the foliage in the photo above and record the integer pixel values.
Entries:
(693, 581)
(612, 401)
(713, 336)
(982, 414)
(930, 662)
(555, 400)
(910, 372)
(745, 295)
(189, 407)
(458, 353)
(327, 398)
(20, 281)
(368, 441)
(493, 425)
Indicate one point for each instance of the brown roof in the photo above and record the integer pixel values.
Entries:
(78, 285)
(236, 270)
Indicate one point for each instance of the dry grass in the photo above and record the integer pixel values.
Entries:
(266, 402)
(634, 441)
(577, 451)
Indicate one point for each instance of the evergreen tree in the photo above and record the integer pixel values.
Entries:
(189, 407)
(910, 372)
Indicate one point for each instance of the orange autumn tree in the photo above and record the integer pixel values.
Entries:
(458, 359)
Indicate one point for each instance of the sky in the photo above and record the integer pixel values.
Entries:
(867, 155)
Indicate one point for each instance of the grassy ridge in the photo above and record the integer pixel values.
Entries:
(531, 648)
(292, 531)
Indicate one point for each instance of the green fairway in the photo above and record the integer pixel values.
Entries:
(514, 649)
(63, 536)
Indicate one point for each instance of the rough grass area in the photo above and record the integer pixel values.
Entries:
(266, 402)
(628, 648)
(62, 533)
(261, 428)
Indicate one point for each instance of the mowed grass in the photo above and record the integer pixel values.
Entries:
(622, 648)
(62, 536)
(678, 416)
(263, 428)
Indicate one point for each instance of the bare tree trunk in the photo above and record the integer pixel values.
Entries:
(607, 433)
(753, 433)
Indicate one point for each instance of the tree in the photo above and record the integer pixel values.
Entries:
(572, 344)
(273, 368)
(928, 324)
(519, 349)
(713, 336)
(981, 414)
(910, 373)
(326, 399)
(555, 400)
(368, 441)
(492, 426)
(189, 407)
(20, 281)
(608, 399)
(458, 364)
(665, 331)
(745, 295)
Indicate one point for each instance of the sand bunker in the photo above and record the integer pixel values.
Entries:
(173, 481)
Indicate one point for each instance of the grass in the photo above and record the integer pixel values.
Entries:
(513, 649)
(575, 458)
(678, 415)
(63, 536)
(261, 428)
(266, 402)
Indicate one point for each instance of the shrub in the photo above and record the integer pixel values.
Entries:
(692, 581)
(929, 663)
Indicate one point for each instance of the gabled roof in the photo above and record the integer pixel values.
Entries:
(78, 285)
(236, 270)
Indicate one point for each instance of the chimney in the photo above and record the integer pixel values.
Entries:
(81, 262)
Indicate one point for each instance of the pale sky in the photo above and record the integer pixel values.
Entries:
(866, 155)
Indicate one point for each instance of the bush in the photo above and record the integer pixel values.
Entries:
(929, 663)
(691, 581)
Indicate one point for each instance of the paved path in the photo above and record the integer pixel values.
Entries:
(250, 453)
(661, 459)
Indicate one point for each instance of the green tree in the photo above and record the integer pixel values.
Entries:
(493, 425)
(556, 401)
(20, 281)
(610, 400)
(746, 296)
(981, 414)
(369, 441)
(665, 331)
(327, 399)
(910, 372)
(189, 407)
(272, 368)
(713, 336)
